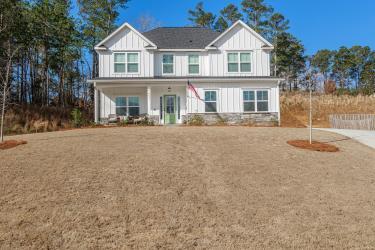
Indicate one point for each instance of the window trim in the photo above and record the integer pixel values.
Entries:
(174, 63)
(255, 100)
(127, 103)
(217, 96)
(114, 62)
(126, 62)
(239, 52)
(188, 64)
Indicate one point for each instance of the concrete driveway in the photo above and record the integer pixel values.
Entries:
(366, 137)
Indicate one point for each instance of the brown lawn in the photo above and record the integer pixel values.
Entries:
(182, 187)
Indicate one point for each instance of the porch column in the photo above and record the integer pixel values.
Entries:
(96, 109)
(149, 100)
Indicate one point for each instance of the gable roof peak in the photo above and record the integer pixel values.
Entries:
(243, 24)
(124, 25)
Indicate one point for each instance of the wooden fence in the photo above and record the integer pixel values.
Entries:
(352, 121)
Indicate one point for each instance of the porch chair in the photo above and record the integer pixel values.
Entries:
(112, 118)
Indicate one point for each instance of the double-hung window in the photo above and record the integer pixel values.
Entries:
(126, 62)
(210, 100)
(262, 100)
(255, 100)
(120, 62)
(249, 101)
(132, 62)
(126, 106)
(193, 61)
(239, 62)
(168, 64)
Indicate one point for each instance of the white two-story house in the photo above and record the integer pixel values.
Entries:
(172, 74)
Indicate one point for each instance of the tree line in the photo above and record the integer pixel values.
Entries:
(349, 68)
(46, 47)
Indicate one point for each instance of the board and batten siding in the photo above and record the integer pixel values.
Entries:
(230, 97)
(211, 63)
(214, 62)
(107, 100)
(181, 66)
(126, 41)
(236, 40)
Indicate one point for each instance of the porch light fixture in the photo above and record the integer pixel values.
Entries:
(169, 89)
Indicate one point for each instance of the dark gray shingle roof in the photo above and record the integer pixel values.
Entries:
(181, 37)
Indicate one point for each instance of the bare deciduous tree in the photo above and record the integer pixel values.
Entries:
(5, 77)
(146, 22)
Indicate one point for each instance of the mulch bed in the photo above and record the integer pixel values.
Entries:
(11, 144)
(315, 145)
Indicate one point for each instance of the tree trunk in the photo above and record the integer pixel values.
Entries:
(5, 83)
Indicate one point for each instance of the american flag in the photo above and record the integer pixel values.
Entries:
(192, 88)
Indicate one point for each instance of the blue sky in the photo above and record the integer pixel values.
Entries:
(318, 24)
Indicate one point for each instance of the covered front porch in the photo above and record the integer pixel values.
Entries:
(164, 103)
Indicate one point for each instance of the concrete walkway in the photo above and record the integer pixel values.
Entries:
(366, 137)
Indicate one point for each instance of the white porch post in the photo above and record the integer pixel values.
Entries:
(96, 108)
(149, 100)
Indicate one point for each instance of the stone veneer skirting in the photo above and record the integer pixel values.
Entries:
(261, 119)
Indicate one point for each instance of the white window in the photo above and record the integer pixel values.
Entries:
(193, 64)
(126, 62)
(239, 62)
(255, 101)
(168, 64)
(119, 62)
(132, 63)
(127, 105)
(210, 100)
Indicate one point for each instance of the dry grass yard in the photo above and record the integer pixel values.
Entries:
(185, 188)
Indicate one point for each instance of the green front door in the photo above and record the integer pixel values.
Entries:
(169, 109)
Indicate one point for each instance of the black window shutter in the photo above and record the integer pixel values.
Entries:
(161, 107)
(178, 107)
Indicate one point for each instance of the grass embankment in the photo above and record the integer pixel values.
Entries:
(295, 108)
(32, 119)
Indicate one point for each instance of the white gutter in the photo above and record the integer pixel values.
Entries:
(169, 80)
(182, 50)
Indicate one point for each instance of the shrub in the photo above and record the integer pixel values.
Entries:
(147, 121)
(195, 120)
(77, 118)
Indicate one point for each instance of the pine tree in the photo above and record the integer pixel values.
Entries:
(200, 18)
(229, 15)
(277, 24)
(290, 58)
(342, 67)
(323, 61)
(99, 20)
(257, 15)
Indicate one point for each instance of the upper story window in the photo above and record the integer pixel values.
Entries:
(210, 100)
(126, 62)
(239, 62)
(255, 100)
(168, 64)
(193, 64)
